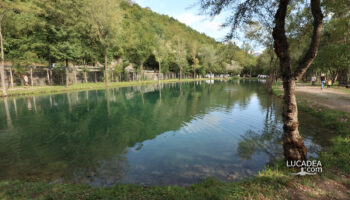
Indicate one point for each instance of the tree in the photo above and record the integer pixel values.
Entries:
(6, 6)
(293, 145)
(233, 67)
(61, 21)
(180, 53)
(194, 51)
(160, 51)
(105, 18)
(208, 57)
(333, 54)
(261, 31)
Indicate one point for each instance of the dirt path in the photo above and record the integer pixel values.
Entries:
(332, 98)
(321, 188)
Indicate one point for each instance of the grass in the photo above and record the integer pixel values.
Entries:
(268, 184)
(274, 182)
(21, 91)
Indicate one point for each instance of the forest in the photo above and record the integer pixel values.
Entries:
(110, 34)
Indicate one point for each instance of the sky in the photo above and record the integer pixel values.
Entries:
(187, 12)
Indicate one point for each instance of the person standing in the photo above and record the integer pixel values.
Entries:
(329, 83)
(26, 80)
(323, 81)
(313, 79)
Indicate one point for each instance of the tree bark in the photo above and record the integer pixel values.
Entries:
(293, 144)
(113, 79)
(2, 66)
(343, 77)
(141, 69)
(48, 77)
(159, 73)
(194, 72)
(85, 76)
(31, 76)
(11, 78)
(106, 67)
(75, 75)
(67, 72)
(271, 77)
(180, 77)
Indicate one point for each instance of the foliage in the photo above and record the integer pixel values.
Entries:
(83, 31)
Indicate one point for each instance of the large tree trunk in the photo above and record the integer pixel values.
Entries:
(106, 67)
(293, 145)
(67, 76)
(2, 66)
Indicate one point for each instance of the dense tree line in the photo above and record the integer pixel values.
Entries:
(333, 54)
(89, 32)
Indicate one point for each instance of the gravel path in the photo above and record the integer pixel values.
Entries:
(330, 97)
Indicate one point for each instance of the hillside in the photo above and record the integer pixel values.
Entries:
(87, 32)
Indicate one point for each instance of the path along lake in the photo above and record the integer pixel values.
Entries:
(173, 134)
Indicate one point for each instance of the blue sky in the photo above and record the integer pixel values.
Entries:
(187, 12)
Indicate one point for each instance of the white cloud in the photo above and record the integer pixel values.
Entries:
(210, 26)
(189, 18)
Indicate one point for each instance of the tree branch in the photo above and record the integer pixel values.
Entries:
(315, 41)
(280, 39)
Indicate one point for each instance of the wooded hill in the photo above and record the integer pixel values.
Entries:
(88, 32)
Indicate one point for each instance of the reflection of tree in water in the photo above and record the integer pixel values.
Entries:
(268, 140)
(85, 136)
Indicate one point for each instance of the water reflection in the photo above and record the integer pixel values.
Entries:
(151, 135)
(8, 116)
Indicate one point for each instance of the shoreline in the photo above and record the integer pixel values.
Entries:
(57, 89)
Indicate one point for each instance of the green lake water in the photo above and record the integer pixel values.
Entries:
(173, 134)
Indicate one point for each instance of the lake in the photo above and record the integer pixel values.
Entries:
(169, 134)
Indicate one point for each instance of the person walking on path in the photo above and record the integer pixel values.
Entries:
(313, 79)
(323, 81)
(26, 80)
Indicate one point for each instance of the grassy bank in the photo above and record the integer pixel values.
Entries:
(21, 91)
(271, 183)
(274, 182)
